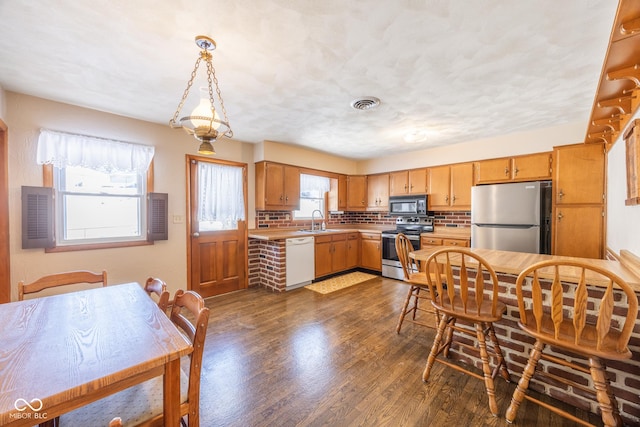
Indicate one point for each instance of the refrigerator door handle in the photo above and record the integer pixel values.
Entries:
(506, 225)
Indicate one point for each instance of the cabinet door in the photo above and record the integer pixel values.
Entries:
(378, 192)
(357, 192)
(439, 187)
(532, 167)
(418, 181)
(494, 170)
(398, 183)
(371, 253)
(579, 174)
(274, 184)
(291, 187)
(461, 183)
(339, 253)
(578, 231)
(353, 248)
(323, 254)
(342, 192)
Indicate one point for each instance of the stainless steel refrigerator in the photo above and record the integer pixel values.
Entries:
(511, 217)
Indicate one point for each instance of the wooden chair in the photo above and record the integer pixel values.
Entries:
(158, 287)
(471, 297)
(61, 279)
(141, 405)
(116, 422)
(580, 319)
(417, 280)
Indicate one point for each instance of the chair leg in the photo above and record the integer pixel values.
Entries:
(523, 384)
(435, 348)
(502, 364)
(416, 299)
(486, 370)
(606, 399)
(449, 339)
(404, 309)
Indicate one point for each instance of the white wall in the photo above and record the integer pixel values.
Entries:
(3, 103)
(25, 115)
(535, 141)
(623, 222)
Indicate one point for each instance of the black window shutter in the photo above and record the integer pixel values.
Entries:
(37, 217)
(157, 216)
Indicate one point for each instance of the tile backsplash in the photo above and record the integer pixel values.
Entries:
(284, 219)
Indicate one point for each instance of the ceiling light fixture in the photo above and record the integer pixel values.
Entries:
(204, 122)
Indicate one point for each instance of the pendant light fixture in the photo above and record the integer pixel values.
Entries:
(204, 122)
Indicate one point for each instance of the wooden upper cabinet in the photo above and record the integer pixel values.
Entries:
(277, 186)
(357, 192)
(531, 167)
(338, 193)
(412, 181)
(579, 174)
(450, 187)
(578, 231)
(378, 192)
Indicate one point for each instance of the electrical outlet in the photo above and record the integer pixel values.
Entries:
(287, 217)
(266, 217)
(178, 219)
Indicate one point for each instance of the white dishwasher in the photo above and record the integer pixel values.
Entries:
(300, 261)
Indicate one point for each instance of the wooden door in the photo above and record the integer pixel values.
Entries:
(291, 189)
(493, 171)
(579, 174)
(532, 167)
(578, 231)
(352, 250)
(274, 184)
(461, 183)
(398, 183)
(323, 255)
(418, 181)
(217, 260)
(439, 187)
(357, 192)
(5, 276)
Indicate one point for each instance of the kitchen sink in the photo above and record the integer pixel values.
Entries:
(308, 230)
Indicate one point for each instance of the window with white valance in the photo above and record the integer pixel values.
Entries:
(62, 149)
(312, 191)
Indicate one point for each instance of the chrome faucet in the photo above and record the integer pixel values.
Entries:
(313, 222)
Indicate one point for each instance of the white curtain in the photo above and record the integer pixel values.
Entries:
(314, 186)
(221, 194)
(65, 149)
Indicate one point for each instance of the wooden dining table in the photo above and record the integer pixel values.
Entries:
(61, 352)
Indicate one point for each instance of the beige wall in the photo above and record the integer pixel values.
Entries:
(3, 104)
(295, 155)
(25, 115)
(535, 141)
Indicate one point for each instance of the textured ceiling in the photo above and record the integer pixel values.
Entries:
(288, 70)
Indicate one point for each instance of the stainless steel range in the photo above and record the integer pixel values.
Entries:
(412, 227)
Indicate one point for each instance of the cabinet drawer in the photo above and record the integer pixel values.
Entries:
(455, 242)
(352, 236)
(370, 236)
(430, 241)
(322, 239)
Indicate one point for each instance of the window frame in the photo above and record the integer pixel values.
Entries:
(324, 198)
(48, 181)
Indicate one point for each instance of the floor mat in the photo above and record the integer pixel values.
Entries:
(340, 282)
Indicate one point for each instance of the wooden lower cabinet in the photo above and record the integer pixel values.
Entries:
(579, 231)
(371, 251)
(438, 241)
(330, 254)
(353, 250)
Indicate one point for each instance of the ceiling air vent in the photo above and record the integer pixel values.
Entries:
(365, 103)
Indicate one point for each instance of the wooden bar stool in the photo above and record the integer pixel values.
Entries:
(473, 297)
(417, 280)
(583, 322)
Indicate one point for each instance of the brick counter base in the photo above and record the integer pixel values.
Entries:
(267, 264)
(516, 346)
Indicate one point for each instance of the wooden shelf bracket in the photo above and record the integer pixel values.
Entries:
(630, 73)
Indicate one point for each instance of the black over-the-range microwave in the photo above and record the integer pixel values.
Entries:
(414, 205)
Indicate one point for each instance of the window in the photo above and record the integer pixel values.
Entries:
(100, 189)
(312, 192)
(220, 196)
(95, 206)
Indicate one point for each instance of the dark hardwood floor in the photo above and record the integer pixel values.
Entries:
(304, 359)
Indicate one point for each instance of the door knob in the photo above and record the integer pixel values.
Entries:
(196, 234)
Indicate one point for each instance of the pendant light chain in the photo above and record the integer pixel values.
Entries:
(186, 91)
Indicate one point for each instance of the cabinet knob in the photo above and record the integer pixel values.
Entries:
(454, 198)
(515, 172)
(560, 194)
(446, 198)
(560, 216)
(405, 187)
(281, 197)
(286, 198)
(506, 171)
